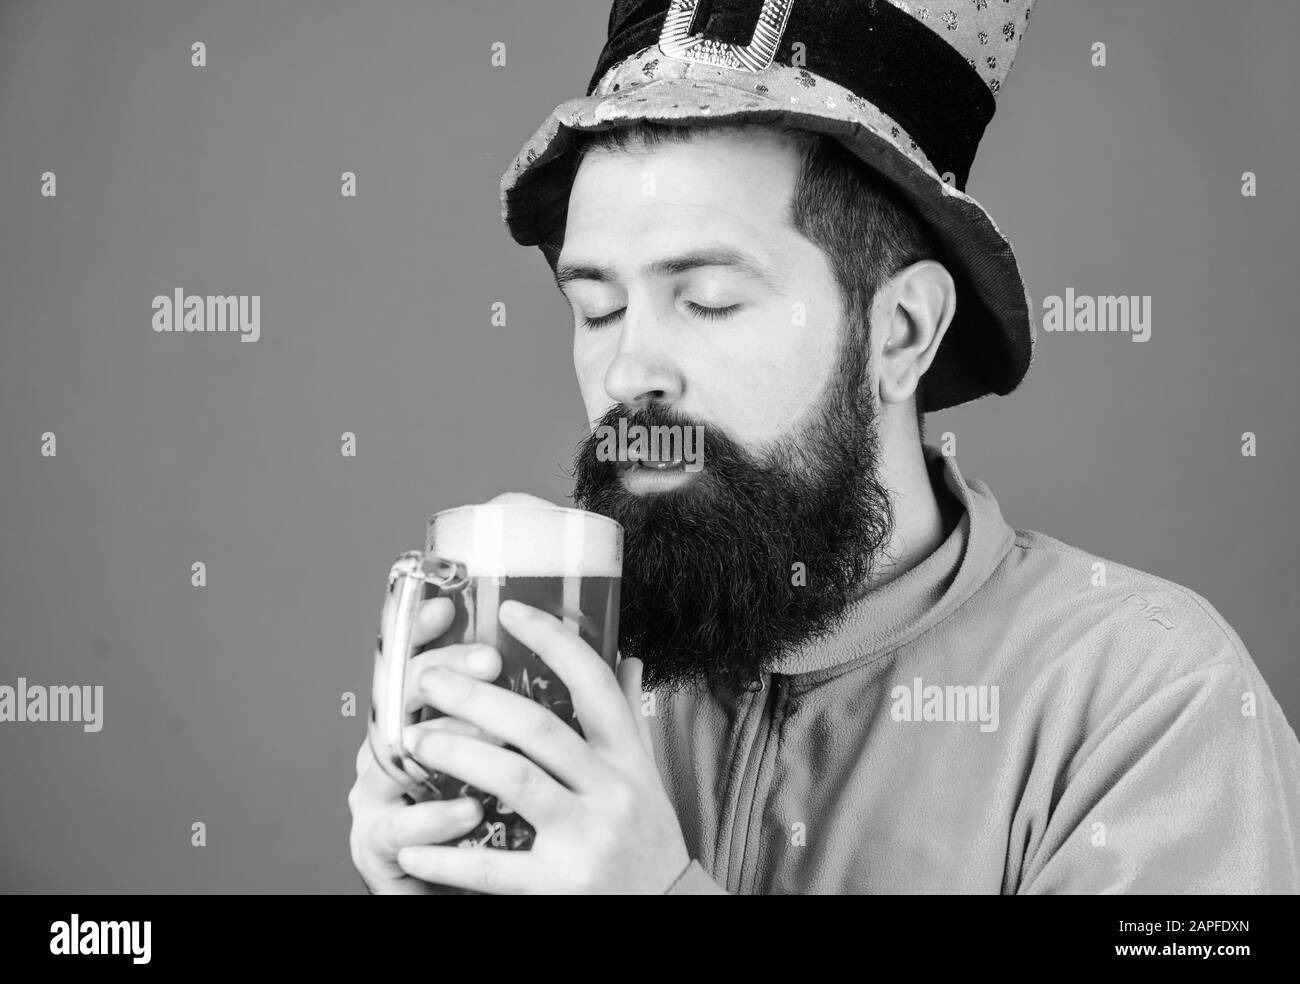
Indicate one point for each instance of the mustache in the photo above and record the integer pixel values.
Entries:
(718, 453)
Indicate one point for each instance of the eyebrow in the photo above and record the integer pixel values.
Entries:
(724, 256)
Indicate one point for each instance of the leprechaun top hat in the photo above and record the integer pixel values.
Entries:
(908, 87)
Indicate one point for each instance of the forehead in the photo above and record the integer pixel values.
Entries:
(727, 183)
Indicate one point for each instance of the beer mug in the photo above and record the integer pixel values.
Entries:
(563, 561)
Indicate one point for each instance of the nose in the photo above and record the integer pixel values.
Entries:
(643, 370)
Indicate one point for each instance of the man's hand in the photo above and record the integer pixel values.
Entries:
(382, 821)
(603, 820)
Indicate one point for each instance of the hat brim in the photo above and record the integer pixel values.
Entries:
(989, 344)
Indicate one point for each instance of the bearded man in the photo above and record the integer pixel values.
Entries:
(864, 679)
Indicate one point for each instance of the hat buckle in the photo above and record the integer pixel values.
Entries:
(677, 41)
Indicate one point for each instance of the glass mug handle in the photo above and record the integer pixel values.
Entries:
(408, 578)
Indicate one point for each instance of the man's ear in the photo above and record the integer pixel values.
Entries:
(910, 316)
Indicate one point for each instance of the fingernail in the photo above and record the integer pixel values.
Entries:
(512, 609)
(481, 658)
(468, 807)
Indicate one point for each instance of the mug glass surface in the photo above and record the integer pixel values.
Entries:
(566, 562)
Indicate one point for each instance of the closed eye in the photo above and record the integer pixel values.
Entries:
(707, 313)
(712, 314)
(603, 320)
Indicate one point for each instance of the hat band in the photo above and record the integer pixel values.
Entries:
(870, 47)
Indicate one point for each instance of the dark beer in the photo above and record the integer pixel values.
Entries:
(562, 561)
(589, 605)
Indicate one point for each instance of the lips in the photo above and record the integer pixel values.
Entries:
(677, 464)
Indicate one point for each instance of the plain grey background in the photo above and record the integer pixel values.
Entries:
(222, 703)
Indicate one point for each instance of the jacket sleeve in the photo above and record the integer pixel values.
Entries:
(1196, 790)
(695, 881)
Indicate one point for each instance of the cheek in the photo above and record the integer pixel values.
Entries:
(589, 367)
(766, 387)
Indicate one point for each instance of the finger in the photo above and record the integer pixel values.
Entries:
(481, 869)
(458, 727)
(432, 619)
(534, 794)
(432, 822)
(629, 681)
(480, 662)
(535, 730)
(374, 788)
(597, 700)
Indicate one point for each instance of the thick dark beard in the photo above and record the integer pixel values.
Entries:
(710, 590)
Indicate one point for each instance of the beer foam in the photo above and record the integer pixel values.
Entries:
(509, 540)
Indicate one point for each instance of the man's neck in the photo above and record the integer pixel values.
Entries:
(919, 521)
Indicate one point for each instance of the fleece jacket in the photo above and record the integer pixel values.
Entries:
(1012, 715)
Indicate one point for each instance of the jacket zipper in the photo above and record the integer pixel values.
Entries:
(754, 765)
